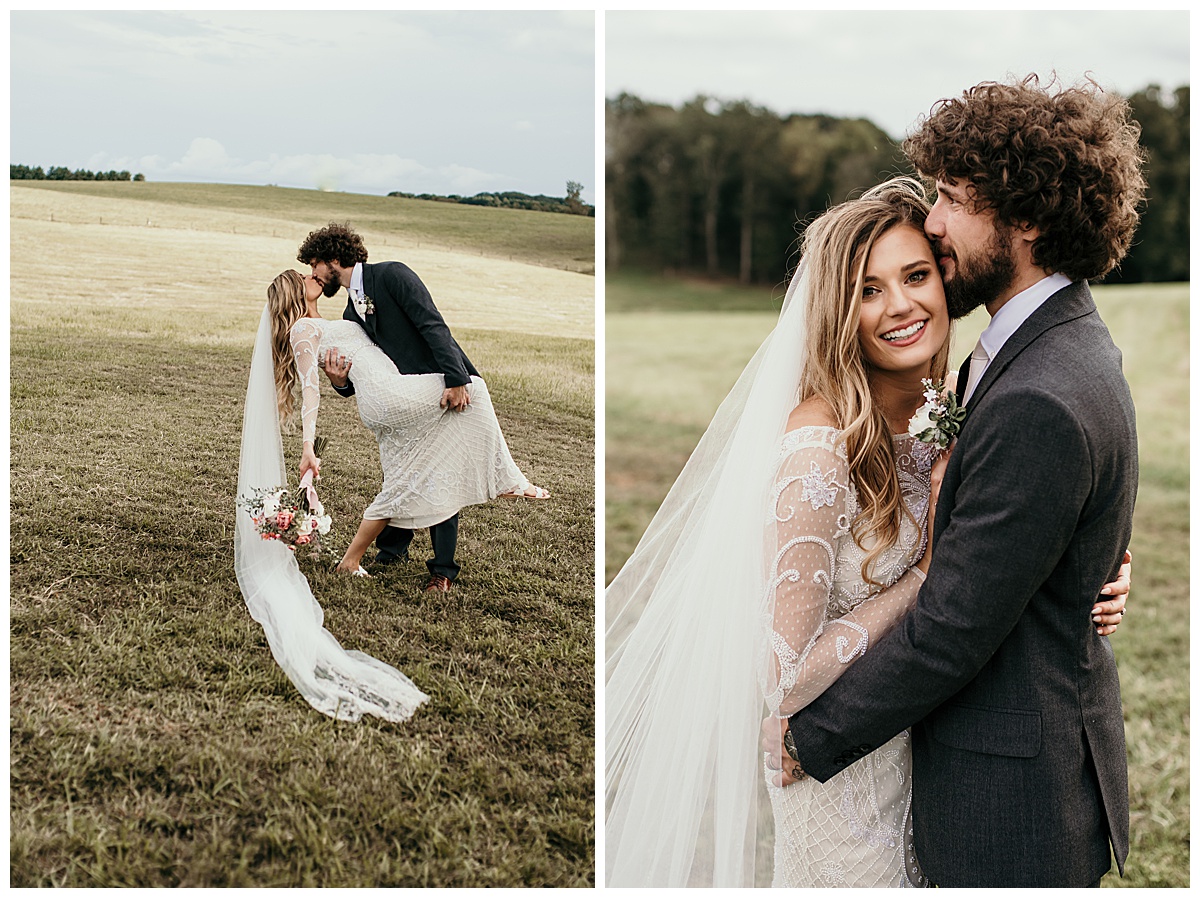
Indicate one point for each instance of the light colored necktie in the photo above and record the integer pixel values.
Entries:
(979, 362)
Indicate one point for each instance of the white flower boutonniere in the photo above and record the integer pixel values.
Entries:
(368, 305)
(940, 419)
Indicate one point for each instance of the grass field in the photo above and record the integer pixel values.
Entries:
(694, 357)
(154, 742)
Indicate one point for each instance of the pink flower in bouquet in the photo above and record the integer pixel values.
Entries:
(303, 540)
(284, 520)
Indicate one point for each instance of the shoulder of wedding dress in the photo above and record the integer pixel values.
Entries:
(812, 436)
(308, 325)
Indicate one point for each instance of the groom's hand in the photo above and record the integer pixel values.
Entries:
(787, 769)
(336, 367)
(455, 398)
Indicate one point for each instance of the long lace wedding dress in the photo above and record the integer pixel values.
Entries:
(343, 684)
(854, 829)
(435, 461)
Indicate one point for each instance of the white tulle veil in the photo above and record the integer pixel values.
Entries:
(689, 619)
(344, 685)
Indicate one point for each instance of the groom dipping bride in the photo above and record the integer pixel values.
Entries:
(439, 442)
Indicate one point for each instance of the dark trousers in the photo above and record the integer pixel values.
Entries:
(393, 546)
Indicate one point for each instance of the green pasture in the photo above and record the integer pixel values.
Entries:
(154, 741)
(669, 363)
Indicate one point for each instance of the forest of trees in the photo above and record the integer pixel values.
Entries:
(723, 188)
(571, 204)
(58, 173)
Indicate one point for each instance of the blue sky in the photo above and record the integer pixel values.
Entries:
(365, 102)
(889, 67)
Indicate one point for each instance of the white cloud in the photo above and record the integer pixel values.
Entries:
(206, 159)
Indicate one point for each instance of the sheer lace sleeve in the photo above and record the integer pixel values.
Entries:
(306, 340)
(814, 507)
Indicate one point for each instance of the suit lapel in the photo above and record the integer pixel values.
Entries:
(964, 377)
(1069, 303)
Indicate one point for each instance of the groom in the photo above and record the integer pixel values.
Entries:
(1019, 768)
(389, 301)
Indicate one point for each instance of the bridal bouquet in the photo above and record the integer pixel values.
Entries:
(940, 419)
(294, 518)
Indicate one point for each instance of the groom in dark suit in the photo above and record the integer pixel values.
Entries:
(389, 301)
(1019, 766)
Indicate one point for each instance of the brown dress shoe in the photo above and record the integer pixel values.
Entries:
(438, 583)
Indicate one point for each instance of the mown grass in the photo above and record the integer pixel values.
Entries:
(695, 356)
(155, 742)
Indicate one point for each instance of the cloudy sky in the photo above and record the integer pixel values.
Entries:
(365, 102)
(889, 67)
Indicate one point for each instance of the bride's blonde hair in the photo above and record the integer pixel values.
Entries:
(285, 299)
(835, 247)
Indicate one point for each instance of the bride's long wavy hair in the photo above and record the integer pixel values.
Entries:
(836, 247)
(285, 299)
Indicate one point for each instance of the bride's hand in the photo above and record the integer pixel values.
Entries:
(309, 460)
(1108, 614)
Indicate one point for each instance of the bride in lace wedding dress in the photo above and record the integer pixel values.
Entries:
(793, 539)
(435, 462)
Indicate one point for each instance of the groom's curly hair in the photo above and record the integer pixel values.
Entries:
(1066, 161)
(333, 243)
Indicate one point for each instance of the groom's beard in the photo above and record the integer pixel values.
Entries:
(334, 285)
(980, 279)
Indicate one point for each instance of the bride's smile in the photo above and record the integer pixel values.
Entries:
(902, 320)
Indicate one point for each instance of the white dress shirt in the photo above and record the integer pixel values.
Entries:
(355, 289)
(1005, 322)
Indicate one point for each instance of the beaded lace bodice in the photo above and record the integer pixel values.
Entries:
(309, 336)
(825, 613)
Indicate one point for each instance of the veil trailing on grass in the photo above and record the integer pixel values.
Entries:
(344, 685)
(689, 651)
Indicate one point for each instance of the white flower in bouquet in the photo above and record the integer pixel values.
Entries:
(270, 505)
(324, 522)
(306, 526)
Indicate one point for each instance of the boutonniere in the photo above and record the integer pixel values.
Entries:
(940, 419)
(368, 305)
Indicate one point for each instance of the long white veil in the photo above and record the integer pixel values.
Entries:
(687, 641)
(344, 685)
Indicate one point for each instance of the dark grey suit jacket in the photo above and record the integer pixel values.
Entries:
(407, 326)
(1019, 773)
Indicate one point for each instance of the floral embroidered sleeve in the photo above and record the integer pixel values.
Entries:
(306, 340)
(814, 506)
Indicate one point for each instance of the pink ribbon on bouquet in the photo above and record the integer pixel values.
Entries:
(306, 484)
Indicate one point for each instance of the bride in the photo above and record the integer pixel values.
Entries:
(435, 462)
(794, 537)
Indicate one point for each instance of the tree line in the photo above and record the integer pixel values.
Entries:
(59, 173)
(723, 188)
(571, 204)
